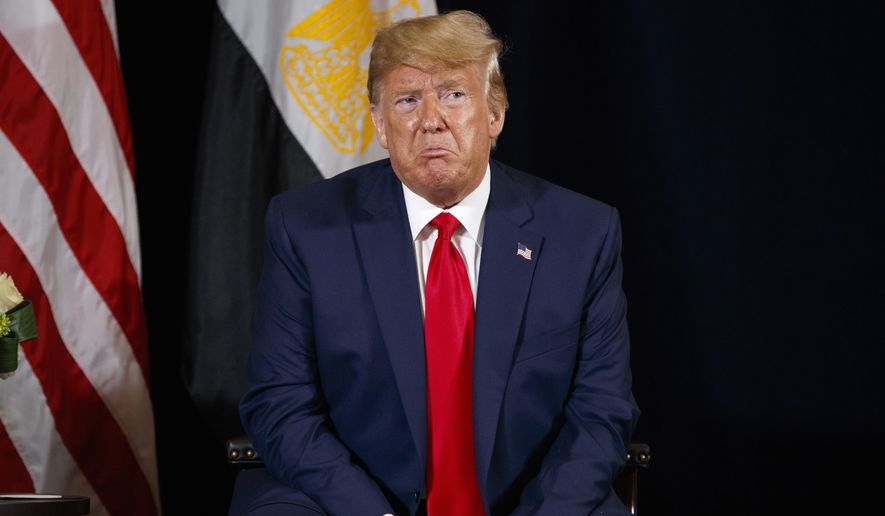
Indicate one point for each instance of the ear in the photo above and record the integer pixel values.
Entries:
(496, 121)
(378, 122)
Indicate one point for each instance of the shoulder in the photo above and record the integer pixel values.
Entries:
(554, 207)
(333, 199)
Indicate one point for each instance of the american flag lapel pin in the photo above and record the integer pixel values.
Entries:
(522, 250)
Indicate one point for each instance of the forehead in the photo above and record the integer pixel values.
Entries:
(408, 77)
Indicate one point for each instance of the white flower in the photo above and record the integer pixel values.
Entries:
(10, 297)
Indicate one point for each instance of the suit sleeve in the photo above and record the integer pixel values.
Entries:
(283, 410)
(577, 473)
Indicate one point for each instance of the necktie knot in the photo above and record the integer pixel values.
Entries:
(446, 224)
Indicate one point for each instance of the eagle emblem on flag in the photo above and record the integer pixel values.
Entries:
(327, 70)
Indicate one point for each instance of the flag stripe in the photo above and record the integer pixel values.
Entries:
(110, 14)
(84, 322)
(30, 428)
(33, 437)
(39, 37)
(96, 444)
(32, 124)
(246, 155)
(15, 474)
(86, 24)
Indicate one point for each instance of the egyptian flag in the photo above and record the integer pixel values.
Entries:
(286, 105)
(75, 417)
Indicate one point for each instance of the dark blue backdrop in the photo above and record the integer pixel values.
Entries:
(742, 142)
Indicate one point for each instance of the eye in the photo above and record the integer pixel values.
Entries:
(405, 104)
(454, 97)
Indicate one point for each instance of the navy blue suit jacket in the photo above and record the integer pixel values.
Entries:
(337, 403)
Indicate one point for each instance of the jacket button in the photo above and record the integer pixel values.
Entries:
(417, 495)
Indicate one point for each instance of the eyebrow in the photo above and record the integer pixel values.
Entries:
(449, 83)
(444, 85)
(405, 91)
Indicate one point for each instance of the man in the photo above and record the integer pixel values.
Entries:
(376, 387)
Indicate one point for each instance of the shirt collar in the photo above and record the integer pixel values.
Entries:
(470, 211)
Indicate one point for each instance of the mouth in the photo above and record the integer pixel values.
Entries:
(434, 151)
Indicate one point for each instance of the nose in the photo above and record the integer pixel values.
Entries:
(431, 117)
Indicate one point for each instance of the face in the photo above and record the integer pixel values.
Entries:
(438, 128)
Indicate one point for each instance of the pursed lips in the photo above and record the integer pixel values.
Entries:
(433, 151)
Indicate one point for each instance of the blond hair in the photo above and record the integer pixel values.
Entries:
(453, 39)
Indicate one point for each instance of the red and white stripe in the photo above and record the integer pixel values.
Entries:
(76, 417)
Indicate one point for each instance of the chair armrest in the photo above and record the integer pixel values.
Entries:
(241, 453)
(638, 455)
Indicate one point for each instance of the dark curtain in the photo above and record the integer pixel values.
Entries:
(742, 142)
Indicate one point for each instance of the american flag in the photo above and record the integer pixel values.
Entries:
(522, 250)
(76, 416)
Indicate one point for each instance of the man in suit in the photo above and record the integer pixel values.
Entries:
(438, 332)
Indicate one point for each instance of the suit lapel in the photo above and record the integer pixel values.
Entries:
(388, 258)
(504, 281)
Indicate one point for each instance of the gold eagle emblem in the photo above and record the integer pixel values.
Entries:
(328, 81)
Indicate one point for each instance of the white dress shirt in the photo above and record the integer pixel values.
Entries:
(471, 212)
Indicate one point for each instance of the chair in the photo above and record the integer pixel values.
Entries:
(240, 453)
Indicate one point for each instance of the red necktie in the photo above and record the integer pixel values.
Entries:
(453, 489)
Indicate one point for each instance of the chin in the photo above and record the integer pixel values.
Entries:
(445, 184)
(436, 181)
